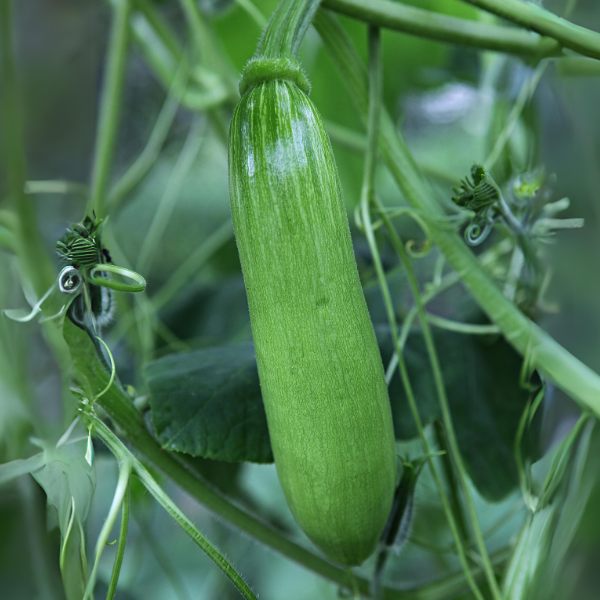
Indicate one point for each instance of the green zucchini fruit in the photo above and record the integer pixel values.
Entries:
(320, 370)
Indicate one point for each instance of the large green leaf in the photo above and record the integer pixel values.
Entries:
(208, 403)
(481, 376)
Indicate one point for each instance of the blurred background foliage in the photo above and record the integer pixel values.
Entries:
(451, 102)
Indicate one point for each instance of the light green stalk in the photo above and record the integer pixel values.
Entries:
(445, 28)
(530, 16)
(116, 570)
(126, 458)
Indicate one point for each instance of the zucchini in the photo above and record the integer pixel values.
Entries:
(320, 370)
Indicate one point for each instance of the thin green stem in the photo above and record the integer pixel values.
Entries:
(578, 66)
(116, 570)
(197, 28)
(561, 367)
(208, 45)
(356, 141)
(34, 263)
(162, 559)
(142, 165)
(162, 50)
(367, 198)
(56, 186)
(9, 219)
(571, 4)
(159, 26)
(458, 327)
(191, 265)
(173, 188)
(122, 454)
(448, 281)
(253, 12)
(110, 105)
(525, 94)
(444, 406)
(8, 241)
(529, 15)
(450, 475)
(375, 94)
(445, 28)
(286, 28)
(514, 273)
(125, 467)
(182, 276)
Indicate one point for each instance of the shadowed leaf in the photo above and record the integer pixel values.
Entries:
(208, 403)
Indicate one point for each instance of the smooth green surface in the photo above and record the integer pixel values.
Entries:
(321, 374)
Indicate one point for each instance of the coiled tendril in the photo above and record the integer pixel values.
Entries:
(479, 195)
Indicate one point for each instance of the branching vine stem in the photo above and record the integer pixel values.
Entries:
(531, 16)
(125, 457)
(444, 405)
(445, 28)
(561, 367)
(367, 199)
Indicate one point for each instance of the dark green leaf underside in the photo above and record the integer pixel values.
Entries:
(481, 374)
(208, 403)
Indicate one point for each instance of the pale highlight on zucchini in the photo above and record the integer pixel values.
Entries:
(320, 369)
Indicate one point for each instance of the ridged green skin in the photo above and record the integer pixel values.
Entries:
(320, 369)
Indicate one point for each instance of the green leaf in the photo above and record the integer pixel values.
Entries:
(481, 374)
(69, 481)
(16, 468)
(208, 403)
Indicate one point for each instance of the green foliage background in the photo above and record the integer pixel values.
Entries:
(60, 46)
